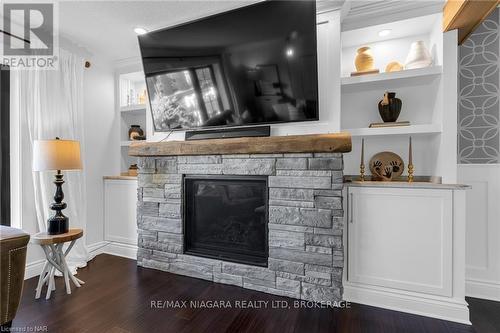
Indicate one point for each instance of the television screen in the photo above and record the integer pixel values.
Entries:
(252, 65)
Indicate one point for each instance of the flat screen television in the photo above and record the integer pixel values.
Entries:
(252, 65)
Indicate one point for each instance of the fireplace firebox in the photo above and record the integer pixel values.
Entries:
(226, 218)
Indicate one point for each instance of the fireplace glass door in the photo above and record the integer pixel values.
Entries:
(226, 218)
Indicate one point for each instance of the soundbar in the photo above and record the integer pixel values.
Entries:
(225, 133)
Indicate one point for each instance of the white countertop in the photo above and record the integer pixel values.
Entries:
(400, 184)
(120, 177)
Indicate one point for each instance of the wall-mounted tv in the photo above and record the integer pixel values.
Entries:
(252, 65)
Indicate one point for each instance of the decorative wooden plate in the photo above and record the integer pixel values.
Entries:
(386, 166)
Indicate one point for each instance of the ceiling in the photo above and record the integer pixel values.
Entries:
(421, 25)
(105, 28)
(364, 13)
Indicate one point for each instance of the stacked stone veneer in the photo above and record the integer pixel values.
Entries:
(305, 222)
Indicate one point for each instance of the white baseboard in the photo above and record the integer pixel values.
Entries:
(119, 249)
(435, 307)
(96, 248)
(483, 289)
(33, 269)
(114, 248)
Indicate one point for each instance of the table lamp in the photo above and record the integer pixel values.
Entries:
(57, 155)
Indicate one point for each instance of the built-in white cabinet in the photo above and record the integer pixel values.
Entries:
(395, 243)
(405, 248)
(120, 210)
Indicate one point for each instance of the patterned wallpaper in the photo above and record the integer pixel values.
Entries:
(478, 100)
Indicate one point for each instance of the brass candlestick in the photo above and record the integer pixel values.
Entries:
(362, 163)
(410, 163)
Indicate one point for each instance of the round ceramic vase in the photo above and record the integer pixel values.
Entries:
(393, 66)
(390, 112)
(364, 59)
(418, 57)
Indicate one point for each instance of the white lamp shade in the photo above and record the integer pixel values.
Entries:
(56, 155)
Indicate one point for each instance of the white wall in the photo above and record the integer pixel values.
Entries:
(101, 157)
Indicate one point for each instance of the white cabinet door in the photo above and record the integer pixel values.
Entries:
(401, 238)
(120, 211)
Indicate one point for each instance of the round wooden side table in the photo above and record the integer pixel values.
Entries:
(52, 245)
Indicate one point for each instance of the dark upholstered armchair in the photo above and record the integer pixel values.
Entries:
(13, 243)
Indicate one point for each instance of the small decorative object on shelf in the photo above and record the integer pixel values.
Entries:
(136, 133)
(364, 62)
(393, 66)
(386, 166)
(364, 59)
(362, 163)
(410, 163)
(131, 97)
(132, 170)
(418, 57)
(143, 97)
(389, 107)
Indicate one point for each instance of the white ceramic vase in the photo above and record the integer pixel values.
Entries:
(418, 57)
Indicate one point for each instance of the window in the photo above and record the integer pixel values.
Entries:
(209, 91)
(184, 98)
(4, 146)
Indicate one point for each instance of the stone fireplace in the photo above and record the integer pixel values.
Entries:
(271, 222)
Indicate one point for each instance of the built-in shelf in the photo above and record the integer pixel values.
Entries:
(136, 108)
(121, 177)
(132, 109)
(125, 143)
(404, 74)
(401, 130)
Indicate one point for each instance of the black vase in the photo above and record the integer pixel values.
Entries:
(391, 108)
(135, 132)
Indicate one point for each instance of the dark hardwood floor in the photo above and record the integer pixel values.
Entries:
(117, 298)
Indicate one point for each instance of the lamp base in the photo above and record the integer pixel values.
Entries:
(57, 225)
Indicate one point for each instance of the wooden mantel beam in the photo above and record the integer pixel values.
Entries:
(314, 143)
(466, 15)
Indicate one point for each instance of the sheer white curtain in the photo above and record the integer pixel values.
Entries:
(51, 101)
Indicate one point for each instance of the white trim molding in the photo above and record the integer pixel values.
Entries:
(33, 269)
(434, 306)
(114, 248)
(483, 230)
(16, 179)
(483, 289)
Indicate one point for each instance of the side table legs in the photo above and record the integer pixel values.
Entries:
(56, 261)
